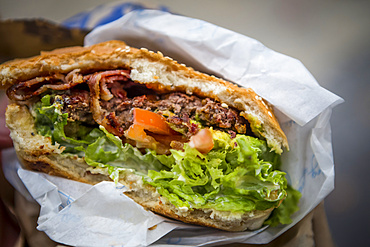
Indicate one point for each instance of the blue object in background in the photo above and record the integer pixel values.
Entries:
(104, 14)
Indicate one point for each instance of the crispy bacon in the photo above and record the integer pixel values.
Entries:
(99, 84)
(108, 79)
(25, 90)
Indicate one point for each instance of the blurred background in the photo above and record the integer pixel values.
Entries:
(331, 38)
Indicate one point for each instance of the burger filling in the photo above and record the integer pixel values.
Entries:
(198, 153)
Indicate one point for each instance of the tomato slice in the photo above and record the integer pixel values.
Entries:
(152, 122)
(136, 132)
(162, 134)
(202, 141)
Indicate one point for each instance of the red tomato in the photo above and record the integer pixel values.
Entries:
(202, 141)
(152, 122)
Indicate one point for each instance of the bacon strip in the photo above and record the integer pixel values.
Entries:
(25, 88)
(28, 89)
(98, 84)
(108, 78)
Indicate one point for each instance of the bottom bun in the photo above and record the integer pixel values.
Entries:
(36, 152)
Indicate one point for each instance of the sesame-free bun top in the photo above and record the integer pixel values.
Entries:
(158, 72)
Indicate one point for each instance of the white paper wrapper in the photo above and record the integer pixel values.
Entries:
(81, 215)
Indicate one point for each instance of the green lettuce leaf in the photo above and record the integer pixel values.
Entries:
(231, 177)
(108, 152)
(281, 215)
(50, 121)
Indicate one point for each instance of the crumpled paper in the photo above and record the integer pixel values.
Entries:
(82, 215)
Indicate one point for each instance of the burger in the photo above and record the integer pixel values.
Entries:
(186, 145)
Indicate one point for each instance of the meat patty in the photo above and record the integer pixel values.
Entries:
(184, 108)
(76, 104)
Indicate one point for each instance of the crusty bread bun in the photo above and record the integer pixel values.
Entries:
(158, 73)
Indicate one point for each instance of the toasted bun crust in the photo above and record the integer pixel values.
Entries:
(36, 152)
(159, 72)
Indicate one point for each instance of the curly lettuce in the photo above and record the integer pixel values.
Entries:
(50, 121)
